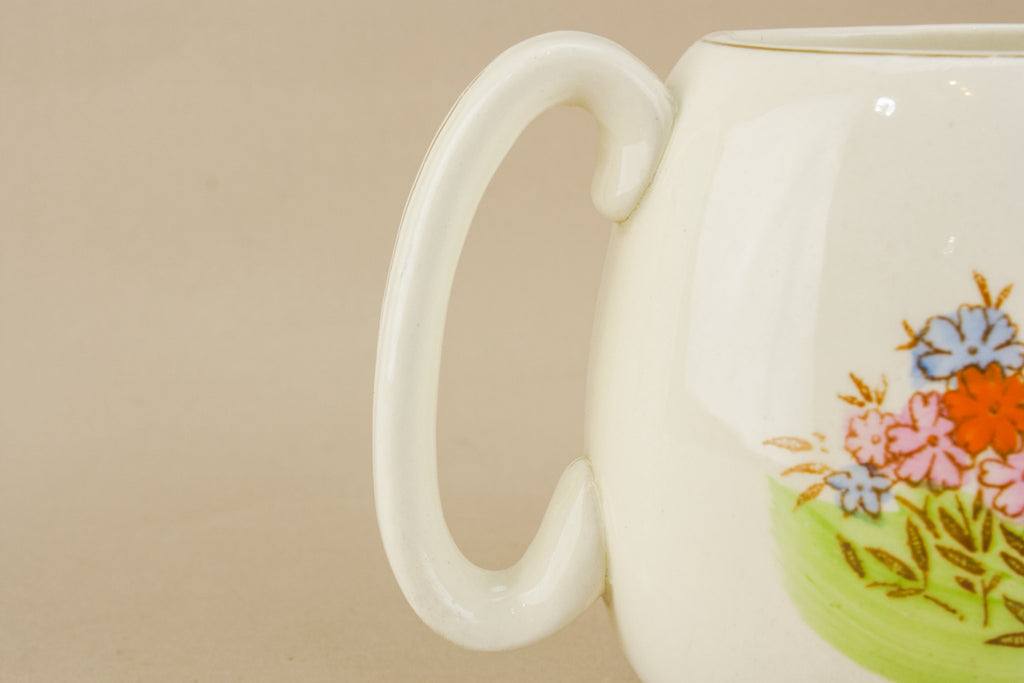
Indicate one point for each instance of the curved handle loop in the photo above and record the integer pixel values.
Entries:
(563, 571)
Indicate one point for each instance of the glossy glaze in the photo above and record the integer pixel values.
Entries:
(818, 188)
(563, 571)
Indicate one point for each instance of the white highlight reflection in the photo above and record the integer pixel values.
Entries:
(886, 106)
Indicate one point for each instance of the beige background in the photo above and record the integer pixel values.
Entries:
(197, 207)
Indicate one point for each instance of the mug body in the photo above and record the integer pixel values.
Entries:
(805, 410)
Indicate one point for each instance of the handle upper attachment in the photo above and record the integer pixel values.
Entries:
(563, 570)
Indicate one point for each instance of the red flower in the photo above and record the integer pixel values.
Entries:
(988, 410)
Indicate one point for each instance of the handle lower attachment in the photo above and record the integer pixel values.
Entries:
(563, 570)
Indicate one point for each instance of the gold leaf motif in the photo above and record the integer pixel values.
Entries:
(809, 494)
(965, 583)
(979, 502)
(862, 387)
(850, 555)
(1008, 640)
(986, 532)
(911, 334)
(959, 559)
(1012, 539)
(918, 550)
(954, 529)
(1014, 607)
(1004, 295)
(893, 563)
(1013, 563)
(922, 513)
(940, 603)
(881, 391)
(808, 468)
(982, 283)
(790, 443)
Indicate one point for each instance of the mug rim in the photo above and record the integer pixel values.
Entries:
(919, 40)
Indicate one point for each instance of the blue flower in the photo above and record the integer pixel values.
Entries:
(974, 335)
(860, 487)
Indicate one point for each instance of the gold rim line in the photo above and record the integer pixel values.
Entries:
(867, 52)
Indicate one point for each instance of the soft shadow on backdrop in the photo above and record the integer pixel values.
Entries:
(197, 208)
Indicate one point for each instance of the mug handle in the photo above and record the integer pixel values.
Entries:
(563, 570)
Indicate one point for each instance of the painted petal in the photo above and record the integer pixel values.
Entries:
(915, 468)
(856, 437)
(942, 427)
(903, 439)
(1016, 460)
(985, 357)
(1000, 331)
(879, 483)
(879, 421)
(925, 409)
(865, 421)
(974, 435)
(942, 334)
(1015, 416)
(1013, 391)
(994, 375)
(978, 386)
(973, 324)
(869, 501)
(1010, 356)
(944, 472)
(939, 364)
(955, 454)
(1005, 438)
(850, 500)
(959, 405)
(872, 454)
(1011, 499)
(859, 474)
(996, 473)
(840, 481)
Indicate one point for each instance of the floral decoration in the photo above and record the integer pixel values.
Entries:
(973, 336)
(944, 468)
(1006, 477)
(923, 449)
(867, 438)
(988, 409)
(860, 488)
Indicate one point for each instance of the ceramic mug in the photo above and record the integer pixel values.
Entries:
(805, 402)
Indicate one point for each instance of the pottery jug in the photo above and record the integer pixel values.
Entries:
(804, 431)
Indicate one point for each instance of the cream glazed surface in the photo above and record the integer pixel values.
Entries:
(805, 407)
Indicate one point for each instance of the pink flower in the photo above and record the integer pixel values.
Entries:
(866, 438)
(1006, 475)
(925, 448)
